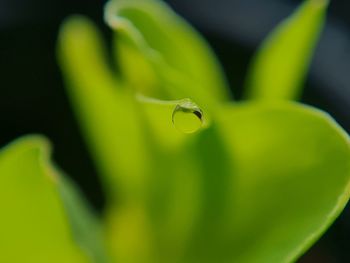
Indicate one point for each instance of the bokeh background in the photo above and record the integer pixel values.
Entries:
(32, 97)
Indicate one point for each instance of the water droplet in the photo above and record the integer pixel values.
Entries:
(187, 117)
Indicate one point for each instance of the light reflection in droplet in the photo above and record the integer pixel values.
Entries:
(187, 117)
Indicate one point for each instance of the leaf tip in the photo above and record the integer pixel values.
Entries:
(319, 3)
(74, 27)
(32, 142)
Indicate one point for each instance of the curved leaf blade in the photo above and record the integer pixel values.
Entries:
(280, 65)
(291, 179)
(169, 49)
(108, 113)
(33, 219)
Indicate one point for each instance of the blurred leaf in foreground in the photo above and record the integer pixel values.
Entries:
(37, 207)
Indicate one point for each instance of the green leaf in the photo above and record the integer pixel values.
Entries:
(290, 180)
(158, 51)
(108, 113)
(260, 184)
(113, 126)
(279, 68)
(33, 222)
(162, 220)
(267, 180)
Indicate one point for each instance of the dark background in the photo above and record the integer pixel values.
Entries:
(32, 98)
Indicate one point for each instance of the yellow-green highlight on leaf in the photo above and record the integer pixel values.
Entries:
(280, 66)
(159, 49)
(108, 113)
(111, 121)
(291, 179)
(34, 225)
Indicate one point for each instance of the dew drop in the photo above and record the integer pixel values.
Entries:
(187, 117)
